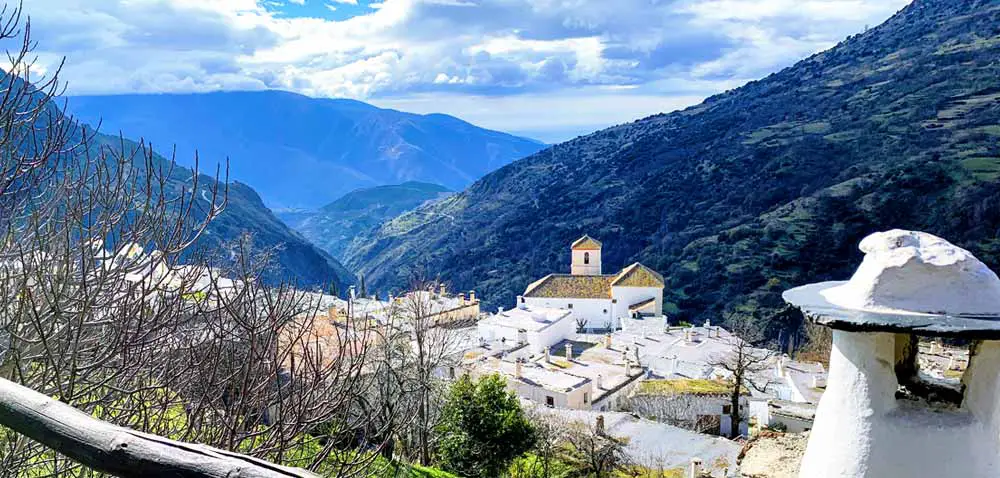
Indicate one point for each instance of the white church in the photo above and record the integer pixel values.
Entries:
(596, 300)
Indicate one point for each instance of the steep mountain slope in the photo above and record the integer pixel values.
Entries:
(306, 152)
(295, 258)
(335, 225)
(753, 191)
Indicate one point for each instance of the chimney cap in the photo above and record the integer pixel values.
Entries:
(928, 293)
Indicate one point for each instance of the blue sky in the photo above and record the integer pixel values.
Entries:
(551, 69)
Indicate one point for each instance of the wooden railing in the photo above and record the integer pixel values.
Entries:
(120, 451)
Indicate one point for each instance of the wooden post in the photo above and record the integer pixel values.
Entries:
(120, 451)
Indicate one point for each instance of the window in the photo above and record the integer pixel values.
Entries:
(522, 299)
(586, 258)
(586, 399)
(727, 409)
(550, 402)
(570, 306)
(451, 372)
(605, 311)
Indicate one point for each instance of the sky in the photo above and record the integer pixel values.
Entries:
(549, 69)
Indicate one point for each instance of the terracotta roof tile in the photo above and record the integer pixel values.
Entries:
(571, 286)
(638, 275)
(586, 243)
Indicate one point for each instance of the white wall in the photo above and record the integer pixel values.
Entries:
(491, 332)
(573, 399)
(597, 312)
(627, 296)
(551, 335)
(592, 269)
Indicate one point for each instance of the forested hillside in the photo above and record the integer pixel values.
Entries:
(753, 191)
(294, 258)
(353, 215)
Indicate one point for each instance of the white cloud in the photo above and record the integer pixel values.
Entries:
(298, 2)
(524, 58)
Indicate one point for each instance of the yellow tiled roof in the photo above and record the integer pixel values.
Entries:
(571, 286)
(586, 243)
(638, 275)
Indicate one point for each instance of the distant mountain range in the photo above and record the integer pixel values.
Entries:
(302, 152)
(756, 190)
(335, 225)
(296, 260)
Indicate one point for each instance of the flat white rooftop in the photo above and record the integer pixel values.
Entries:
(527, 318)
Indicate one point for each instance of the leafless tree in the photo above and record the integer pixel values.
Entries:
(107, 304)
(594, 452)
(745, 365)
(433, 349)
(549, 437)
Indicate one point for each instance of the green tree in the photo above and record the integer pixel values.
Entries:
(483, 428)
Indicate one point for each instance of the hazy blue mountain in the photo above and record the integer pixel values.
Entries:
(296, 260)
(758, 189)
(302, 152)
(335, 225)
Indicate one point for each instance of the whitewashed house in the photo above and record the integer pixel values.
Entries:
(597, 300)
(539, 327)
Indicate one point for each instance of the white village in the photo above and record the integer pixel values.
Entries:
(500, 239)
(594, 347)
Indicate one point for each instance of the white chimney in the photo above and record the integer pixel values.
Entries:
(779, 367)
(353, 293)
(569, 351)
(472, 296)
(628, 368)
(695, 471)
(442, 289)
(520, 303)
(708, 323)
(517, 368)
(598, 381)
(548, 358)
(499, 310)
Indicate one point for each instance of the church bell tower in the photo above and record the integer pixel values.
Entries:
(586, 257)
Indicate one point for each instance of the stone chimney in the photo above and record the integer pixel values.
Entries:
(569, 351)
(607, 340)
(472, 296)
(518, 368)
(599, 426)
(331, 313)
(628, 368)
